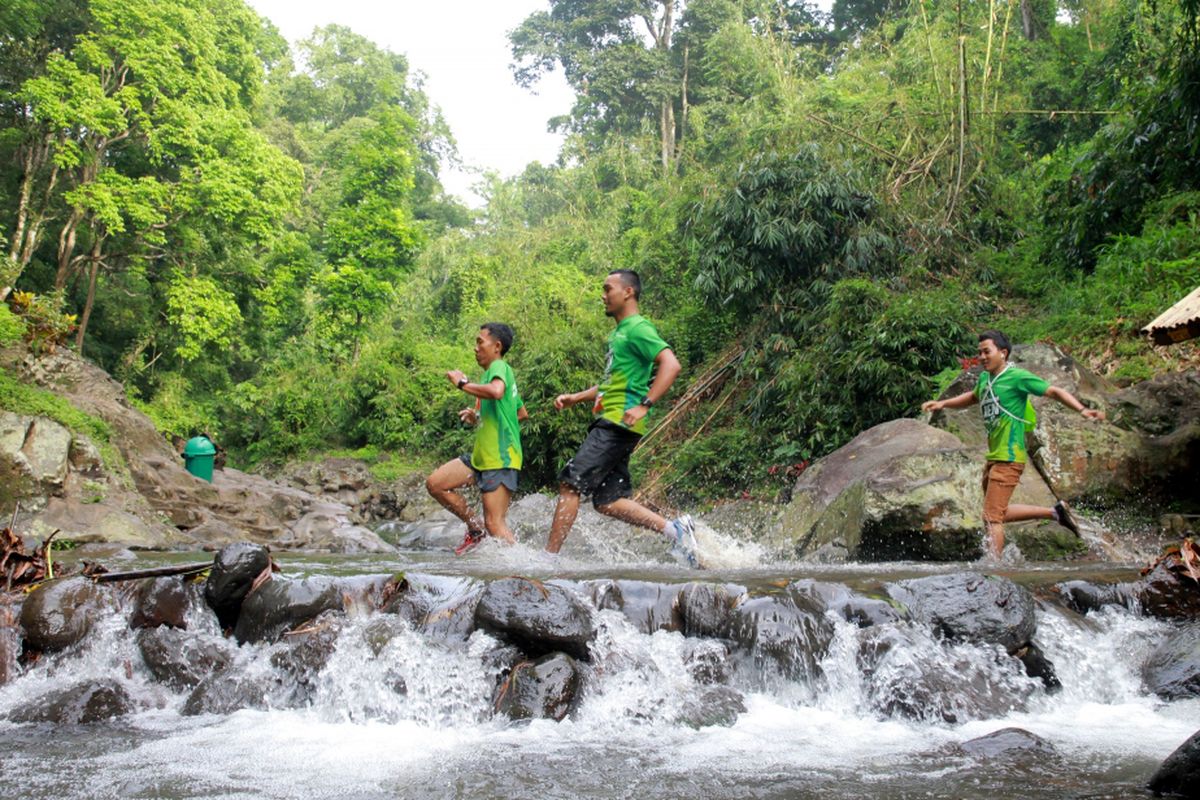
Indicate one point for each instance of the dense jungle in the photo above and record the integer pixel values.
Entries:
(825, 206)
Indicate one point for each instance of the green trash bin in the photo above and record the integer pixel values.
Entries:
(198, 455)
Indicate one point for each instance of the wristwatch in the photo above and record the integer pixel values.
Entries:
(462, 382)
(647, 402)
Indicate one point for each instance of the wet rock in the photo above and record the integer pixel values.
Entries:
(10, 641)
(1037, 665)
(648, 606)
(707, 609)
(902, 489)
(234, 570)
(182, 659)
(541, 689)
(1085, 597)
(707, 660)
(1009, 743)
(282, 604)
(537, 617)
(302, 656)
(1167, 592)
(854, 608)
(440, 607)
(381, 629)
(61, 612)
(235, 688)
(969, 607)
(788, 632)
(160, 601)
(716, 705)
(1179, 774)
(910, 676)
(91, 701)
(1173, 670)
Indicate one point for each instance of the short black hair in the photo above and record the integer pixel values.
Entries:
(630, 279)
(501, 333)
(998, 339)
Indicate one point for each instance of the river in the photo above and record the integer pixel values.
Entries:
(358, 738)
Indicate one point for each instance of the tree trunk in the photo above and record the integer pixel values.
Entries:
(1028, 21)
(66, 247)
(91, 293)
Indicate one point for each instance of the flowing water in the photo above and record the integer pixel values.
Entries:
(825, 737)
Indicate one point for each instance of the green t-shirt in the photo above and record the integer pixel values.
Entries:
(1007, 411)
(632, 348)
(498, 438)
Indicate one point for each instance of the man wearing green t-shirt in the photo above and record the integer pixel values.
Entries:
(496, 459)
(620, 403)
(1003, 394)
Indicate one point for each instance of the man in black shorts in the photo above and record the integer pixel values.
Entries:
(620, 403)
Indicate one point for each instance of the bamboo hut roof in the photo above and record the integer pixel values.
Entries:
(1178, 323)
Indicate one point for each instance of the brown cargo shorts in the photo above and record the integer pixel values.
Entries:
(999, 481)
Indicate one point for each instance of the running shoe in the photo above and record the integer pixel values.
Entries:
(470, 541)
(682, 532)
(1062, 513)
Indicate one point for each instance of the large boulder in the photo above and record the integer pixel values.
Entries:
(60, 613)
(537, 617)
(541, 689)
(1179, 774)
(900, 490)
(90, 701)
(34, 459)
(1173, 670)
(708, 609)
(970, 607)
(234, 571)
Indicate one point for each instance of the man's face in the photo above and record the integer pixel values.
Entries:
(990, 356)
(615, 295)
(487, 349)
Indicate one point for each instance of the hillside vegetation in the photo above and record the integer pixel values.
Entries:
(823, 208)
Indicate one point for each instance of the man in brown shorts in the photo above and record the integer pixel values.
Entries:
(1003, 394)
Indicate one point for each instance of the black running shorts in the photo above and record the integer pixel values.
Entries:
(600, 467)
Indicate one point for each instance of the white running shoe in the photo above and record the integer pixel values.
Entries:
(682, 532)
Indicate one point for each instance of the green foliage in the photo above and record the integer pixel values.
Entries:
(782, 233)
(44, 324)
(12, 328)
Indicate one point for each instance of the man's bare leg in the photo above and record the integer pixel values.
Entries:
(495, 513)
(995, 534)
(1018, 513)
(634, 513)
(564, 517)
(441, 485)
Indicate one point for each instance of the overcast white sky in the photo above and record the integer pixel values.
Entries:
(463, 50)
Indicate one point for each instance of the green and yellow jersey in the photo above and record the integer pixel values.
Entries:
(632, 347)
(1007, 411)
(498, 438)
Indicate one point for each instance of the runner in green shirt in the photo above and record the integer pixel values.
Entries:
(496, 459)
(1003, 394)
(620, 403)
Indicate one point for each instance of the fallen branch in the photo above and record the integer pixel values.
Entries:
(153, 572)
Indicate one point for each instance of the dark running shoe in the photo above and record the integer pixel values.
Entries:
(1066, 518)
(470, 541)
